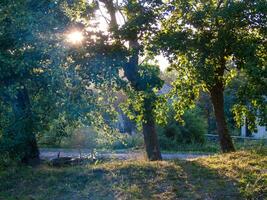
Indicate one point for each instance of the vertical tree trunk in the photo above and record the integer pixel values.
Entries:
(218, 103)
(150, 133)
(24, 131)
(149, 129)
(131, 73)
(151, 141)
(248, 132)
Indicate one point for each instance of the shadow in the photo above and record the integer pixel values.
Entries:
(205, 183)
(119, 180)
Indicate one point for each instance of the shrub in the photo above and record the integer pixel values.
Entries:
(129, 141)
(90, 138)
(191, 132)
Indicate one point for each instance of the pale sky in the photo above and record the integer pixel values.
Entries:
(162, 62)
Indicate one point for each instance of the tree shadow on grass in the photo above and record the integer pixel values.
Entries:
(118, 180)
(50, 183)
(206, 183)
(170, 180)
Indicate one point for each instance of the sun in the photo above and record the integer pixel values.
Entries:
(75, 37)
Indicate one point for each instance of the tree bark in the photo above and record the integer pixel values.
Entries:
(150, 133)
(28, 144)
(217, 99)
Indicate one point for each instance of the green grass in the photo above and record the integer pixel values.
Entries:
(214, 146)
(240, 175)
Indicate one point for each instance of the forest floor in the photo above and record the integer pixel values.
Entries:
(239, 175)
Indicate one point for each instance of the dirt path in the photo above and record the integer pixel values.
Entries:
(50, 153)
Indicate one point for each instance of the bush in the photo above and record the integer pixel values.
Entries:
(89, 138)
(82, 138)
(129, 141)
(192, 132)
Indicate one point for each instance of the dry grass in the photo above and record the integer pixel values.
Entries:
(247, 168)
(237, 175)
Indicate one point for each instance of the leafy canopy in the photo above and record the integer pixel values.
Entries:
(212, 42)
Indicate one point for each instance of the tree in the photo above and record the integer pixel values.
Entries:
(208, 43)
(37, 88)
(42, 69)
(139, 20)
(23, 59)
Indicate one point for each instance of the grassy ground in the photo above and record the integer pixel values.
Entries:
(214, 146)
(240, 175)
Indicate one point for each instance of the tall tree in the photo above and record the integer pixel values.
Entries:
(18, 58)
(33, 57)
(139, 19)
(208, 43)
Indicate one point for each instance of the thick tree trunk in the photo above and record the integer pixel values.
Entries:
(151, 141)
(150, 133)
(24, 132)
(218, 103)
(149, 129)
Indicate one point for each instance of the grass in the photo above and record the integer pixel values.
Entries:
(239, 175)
(214, 146)
(246, 168)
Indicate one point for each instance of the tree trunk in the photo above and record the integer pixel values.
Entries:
(24, 131)
(149, 129)
(150, 134)
(151, 141)
(217, 99)
(131, 73)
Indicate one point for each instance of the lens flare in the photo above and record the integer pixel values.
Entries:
(75, 37)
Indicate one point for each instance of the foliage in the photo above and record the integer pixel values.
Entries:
(49, 87)
(251, 100)
(150, 83)
(212, 146)
(209, 43)
(27, 54)
(190, 132)
(135, 141)
(205, 105)
(91, 138)
(43, 89)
